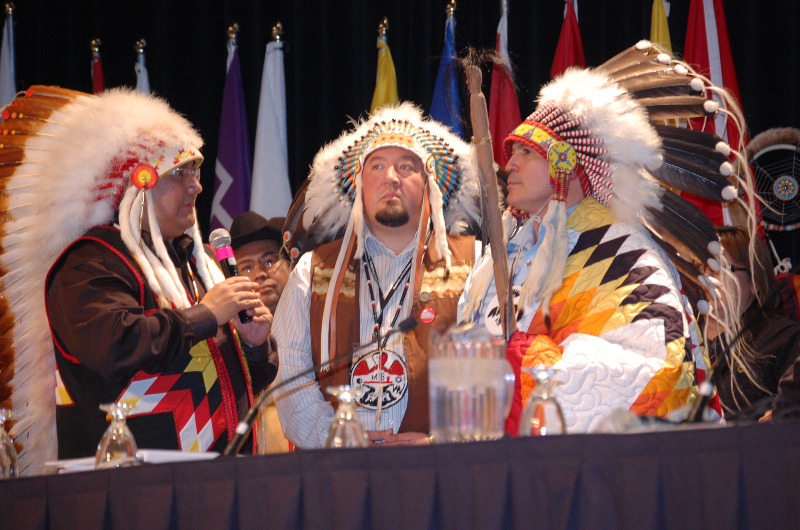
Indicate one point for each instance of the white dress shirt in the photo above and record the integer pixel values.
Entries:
(304, 413)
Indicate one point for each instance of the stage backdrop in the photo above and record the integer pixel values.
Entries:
(331, 57)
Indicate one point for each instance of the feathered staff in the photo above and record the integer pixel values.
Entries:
(492, 221)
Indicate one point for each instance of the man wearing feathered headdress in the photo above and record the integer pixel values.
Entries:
(139, 313)
(593, 239)
(385, 196)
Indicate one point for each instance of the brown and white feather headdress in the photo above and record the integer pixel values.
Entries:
(66, 160)
(600, 124)
(333, 201)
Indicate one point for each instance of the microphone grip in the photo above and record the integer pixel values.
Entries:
(228, 265)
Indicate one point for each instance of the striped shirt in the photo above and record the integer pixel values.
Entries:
(304, 413)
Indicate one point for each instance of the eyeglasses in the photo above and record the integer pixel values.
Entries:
(740, 269)
(268, 264)
(185, 174)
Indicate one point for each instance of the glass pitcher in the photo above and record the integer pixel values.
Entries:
(471, 385)
(346, 429)
(117, 448)
(542, 414)
(9, 463)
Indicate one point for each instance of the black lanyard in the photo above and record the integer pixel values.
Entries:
(405, 276)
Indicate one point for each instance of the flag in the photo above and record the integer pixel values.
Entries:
(271, 195)
(569, 51)
(503, 105)
(98, 83)
(708, 50)
(446, 104)
(232, 185)
(386, 82)
(142, 79)
(659, 29)
(8, 77)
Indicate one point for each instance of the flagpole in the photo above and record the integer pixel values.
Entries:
(383, 27)
(234, 165)
(385, 78)
(98, 80)
(232, 45)
(446, 101)
(10, 26)
(142, 79)
(271, 191)
(8, 74)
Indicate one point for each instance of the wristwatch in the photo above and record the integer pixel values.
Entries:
(431, 439)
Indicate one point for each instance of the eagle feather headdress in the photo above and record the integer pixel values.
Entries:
(333, 203)
(599, 124)
(66, 162)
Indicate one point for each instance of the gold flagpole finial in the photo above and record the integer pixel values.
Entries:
(451, 8)
(96, 45)
(277, 31)
(9, 8)
(139, 46)
(383, 27)
(233, 31)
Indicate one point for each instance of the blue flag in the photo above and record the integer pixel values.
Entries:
(446, 105)
(234, 167)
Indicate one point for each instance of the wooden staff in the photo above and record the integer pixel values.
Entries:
(492, 218)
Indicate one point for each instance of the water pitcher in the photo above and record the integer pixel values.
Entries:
(471, 385)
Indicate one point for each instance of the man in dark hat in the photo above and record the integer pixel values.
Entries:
(256, 244)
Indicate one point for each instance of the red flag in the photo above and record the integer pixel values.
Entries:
(708, 51)
(570, 46)
(503, 105)
(98, 83)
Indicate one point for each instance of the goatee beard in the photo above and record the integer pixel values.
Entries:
(392, 216)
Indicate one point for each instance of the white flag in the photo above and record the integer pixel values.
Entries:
(142, 80)
(8, 81)
(271, 195)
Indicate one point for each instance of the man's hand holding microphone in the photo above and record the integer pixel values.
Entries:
(237, 295)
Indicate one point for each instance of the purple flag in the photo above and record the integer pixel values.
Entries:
(234, 166)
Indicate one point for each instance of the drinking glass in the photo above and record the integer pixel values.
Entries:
(346, 429)
(117, 448)
(9, 464)
(542, 415)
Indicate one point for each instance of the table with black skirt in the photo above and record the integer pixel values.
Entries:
(744, 476)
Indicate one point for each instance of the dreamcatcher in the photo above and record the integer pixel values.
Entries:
(774, 156)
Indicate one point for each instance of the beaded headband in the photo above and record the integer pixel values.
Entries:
(557, 135)
(438, 158)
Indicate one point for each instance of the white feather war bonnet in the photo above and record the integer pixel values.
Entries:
(68, 161)
(333, 199)
(599, 125)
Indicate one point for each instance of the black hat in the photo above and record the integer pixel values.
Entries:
(250, 226)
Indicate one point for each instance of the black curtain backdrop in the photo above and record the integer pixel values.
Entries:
(331, 58)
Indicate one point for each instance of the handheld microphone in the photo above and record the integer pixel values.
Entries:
(220, 241)
(246, 424)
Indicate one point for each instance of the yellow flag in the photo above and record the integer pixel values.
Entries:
(386, 84)
(659, 30)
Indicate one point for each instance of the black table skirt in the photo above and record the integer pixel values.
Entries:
(733, 477)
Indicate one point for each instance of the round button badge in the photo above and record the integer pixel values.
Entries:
(427, 315)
